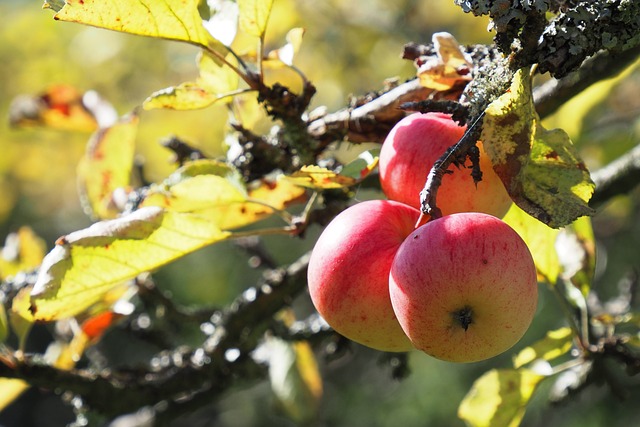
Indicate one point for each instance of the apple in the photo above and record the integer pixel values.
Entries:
(464, 287)
(348, 273)
(411, 149)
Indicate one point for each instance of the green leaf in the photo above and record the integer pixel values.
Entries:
(540, 168)
(86, 264)
(106, 167)
(540, 240)
(553, 345)
(254, 16)
(499, 398)
(214, 191)
(320, 178)
(167, 19)
(216, 81)
(577, 254)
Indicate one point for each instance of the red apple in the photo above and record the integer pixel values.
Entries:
(464, 287)
(349, 272)
(409, 152)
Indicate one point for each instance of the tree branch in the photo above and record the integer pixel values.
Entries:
(554, 93)
(618, 177)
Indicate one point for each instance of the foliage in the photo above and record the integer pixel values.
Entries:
(284, 174)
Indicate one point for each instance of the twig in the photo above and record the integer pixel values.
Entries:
(434, 179)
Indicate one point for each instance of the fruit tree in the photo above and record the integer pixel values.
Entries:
(421, 253)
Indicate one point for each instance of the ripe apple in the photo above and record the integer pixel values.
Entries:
(464, 287)
(348, 272)
(411, 149)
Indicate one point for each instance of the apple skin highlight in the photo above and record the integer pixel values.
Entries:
(464, 287)
(348, 273)
(412, 147)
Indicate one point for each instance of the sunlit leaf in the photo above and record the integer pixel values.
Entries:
(449, 69)
(20, 316)
(254, 16)
(287, 53)
(499, 398)
(10, 390)
(60, 107)
(540, 240)
(214, 191)
(216, 81)
(106, 167)
(540, 168)
(87, 263)
(22, 251)
(320, 178)
(167, 19)
(577, 254)
(553, 345)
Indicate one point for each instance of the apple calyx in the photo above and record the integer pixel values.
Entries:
(463, 317)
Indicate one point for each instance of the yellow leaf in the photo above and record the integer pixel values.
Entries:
(553, 345)
(499, 398)
(22, 251)
(106, 167)
(86, 264)
(216, 81)
(320, 178)
(540, 168)
(167, 19)
(214, 191)
(254, 16)
(540, 240)
(60, 107)
(10, 390)
(20, 316)
(449, 69)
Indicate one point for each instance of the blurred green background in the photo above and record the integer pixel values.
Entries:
(350, 48)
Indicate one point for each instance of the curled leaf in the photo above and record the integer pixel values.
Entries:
(86, 264)
(449, 69)
(320, 178)
(540, 168)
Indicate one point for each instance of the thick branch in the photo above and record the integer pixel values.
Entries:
(618, 177)
(370, 122)
(208, 370)
(553, 94)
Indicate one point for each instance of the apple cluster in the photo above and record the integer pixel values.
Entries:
(461, 288)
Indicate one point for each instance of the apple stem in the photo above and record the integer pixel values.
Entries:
(441, 166)
(464, 317)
